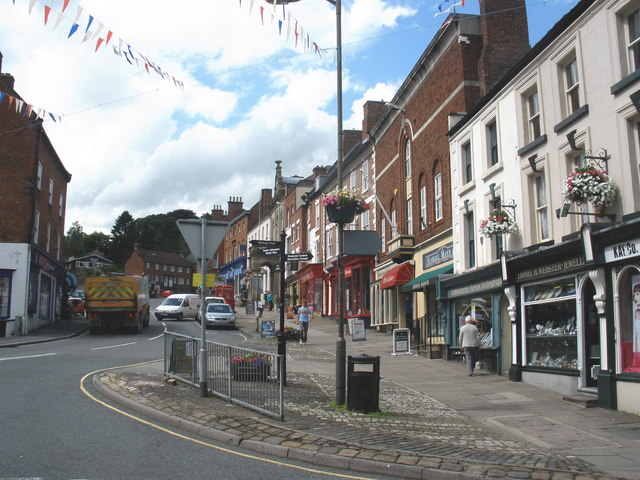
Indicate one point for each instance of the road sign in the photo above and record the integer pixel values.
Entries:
(299, 257)
(214, 232)
(265, 243)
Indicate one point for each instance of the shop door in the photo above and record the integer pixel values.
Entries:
(591, 331)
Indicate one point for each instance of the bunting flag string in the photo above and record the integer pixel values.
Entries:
(285, 24)
(448, 9)
(92, 30)
(25, 109)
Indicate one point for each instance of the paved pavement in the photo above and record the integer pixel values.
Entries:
(437, 422)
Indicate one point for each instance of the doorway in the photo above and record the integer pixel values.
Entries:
(591, 329)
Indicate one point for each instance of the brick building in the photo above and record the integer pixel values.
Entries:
(34, 192)
(412, 161)
(165, 271)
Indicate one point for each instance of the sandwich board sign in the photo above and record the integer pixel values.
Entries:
(401, 342)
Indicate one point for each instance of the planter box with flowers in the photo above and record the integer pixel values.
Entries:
(589, 184)
(342, 205)
(290, 333)
(250, 367)
(498, 223)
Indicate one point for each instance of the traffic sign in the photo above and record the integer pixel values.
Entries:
(299, 257)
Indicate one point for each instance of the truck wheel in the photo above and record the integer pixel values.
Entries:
(179, 317)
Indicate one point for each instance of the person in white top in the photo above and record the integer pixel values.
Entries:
(469, 341)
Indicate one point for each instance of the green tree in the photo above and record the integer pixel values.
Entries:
(123, 238)
(74, 241)
(97, 241)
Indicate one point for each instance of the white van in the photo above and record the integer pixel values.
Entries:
(179, 306)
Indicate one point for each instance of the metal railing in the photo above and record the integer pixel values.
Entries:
(250, 378)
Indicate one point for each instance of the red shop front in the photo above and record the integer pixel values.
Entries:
(310, 280)
(357, 286)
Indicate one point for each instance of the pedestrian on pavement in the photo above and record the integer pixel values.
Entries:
(270, 301)
(469, 341)
(304, 316)
(259, 309)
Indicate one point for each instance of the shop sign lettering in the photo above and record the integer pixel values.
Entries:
(552, 268)
(476, 287)
(437, 256)
(621, 251)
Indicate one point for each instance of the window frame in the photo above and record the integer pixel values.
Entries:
(534, 119)
(491, 132)
(365, 175)
(571, 91)
(407, 159)
(466, 159)
(632, 45)
(422, 194)
(438, 206)
(409, 223)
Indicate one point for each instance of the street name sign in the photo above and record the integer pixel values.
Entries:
(299, 257)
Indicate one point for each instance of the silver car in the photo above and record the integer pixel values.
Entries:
(220, 315)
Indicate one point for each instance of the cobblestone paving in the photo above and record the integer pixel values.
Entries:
(414, 431)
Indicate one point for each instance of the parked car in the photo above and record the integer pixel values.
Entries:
(209, 300)
(77, 305)
(220, 315)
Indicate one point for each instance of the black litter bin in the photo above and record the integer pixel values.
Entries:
(363, 383)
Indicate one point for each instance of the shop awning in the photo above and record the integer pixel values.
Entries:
(425, 279)
(397, 276)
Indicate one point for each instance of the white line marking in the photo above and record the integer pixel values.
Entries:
(28, 356)
(114, 346)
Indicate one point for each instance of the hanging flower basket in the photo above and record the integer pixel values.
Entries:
(342, 205)
(588, 184)
(498, 223)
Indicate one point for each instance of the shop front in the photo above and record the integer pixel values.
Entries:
(357, 286)
(613, 255)
(390, 305)
(556, 319)
(480, 295)
(427, 322)
(310, 283)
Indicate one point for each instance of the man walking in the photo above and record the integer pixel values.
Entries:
(304, 315)
(469, 341)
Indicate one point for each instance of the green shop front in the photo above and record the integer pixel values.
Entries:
(478, 294)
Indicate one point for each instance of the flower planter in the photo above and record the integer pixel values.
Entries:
(344, 214)
(498, 223)
(250, 373)
(588, 184)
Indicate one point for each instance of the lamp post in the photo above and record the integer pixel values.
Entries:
(340, 342)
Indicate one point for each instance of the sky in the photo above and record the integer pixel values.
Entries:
(236, 93)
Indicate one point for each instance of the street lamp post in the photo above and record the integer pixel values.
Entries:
(340, 342)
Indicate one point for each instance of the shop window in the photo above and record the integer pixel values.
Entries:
(629, 294)
(551, 325)
(5, 293)
(480, 309)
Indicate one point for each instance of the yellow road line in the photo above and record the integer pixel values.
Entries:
(194, 440)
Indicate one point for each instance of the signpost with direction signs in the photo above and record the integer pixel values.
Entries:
(299, 257)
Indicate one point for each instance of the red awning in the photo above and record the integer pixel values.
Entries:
(397, 276)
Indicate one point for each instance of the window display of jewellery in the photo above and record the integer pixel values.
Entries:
(552, 351)
(554, 327)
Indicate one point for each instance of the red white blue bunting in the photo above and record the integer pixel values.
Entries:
(27, 110)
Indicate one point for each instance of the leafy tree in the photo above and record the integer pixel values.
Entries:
(74, 241)
(123, 238)
(97, 241)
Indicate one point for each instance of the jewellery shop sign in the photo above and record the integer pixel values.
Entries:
(550, 269)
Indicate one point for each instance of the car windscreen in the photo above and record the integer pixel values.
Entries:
(218, 308)
(172, 302)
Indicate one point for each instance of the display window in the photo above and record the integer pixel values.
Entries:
(629, 332)
(551, 325)
(5, 293)
(480, 308)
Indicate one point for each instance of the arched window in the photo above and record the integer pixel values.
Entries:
(407, 158)
(394, 221)
(437, 192)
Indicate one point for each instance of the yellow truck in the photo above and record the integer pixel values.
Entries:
(117, 301)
